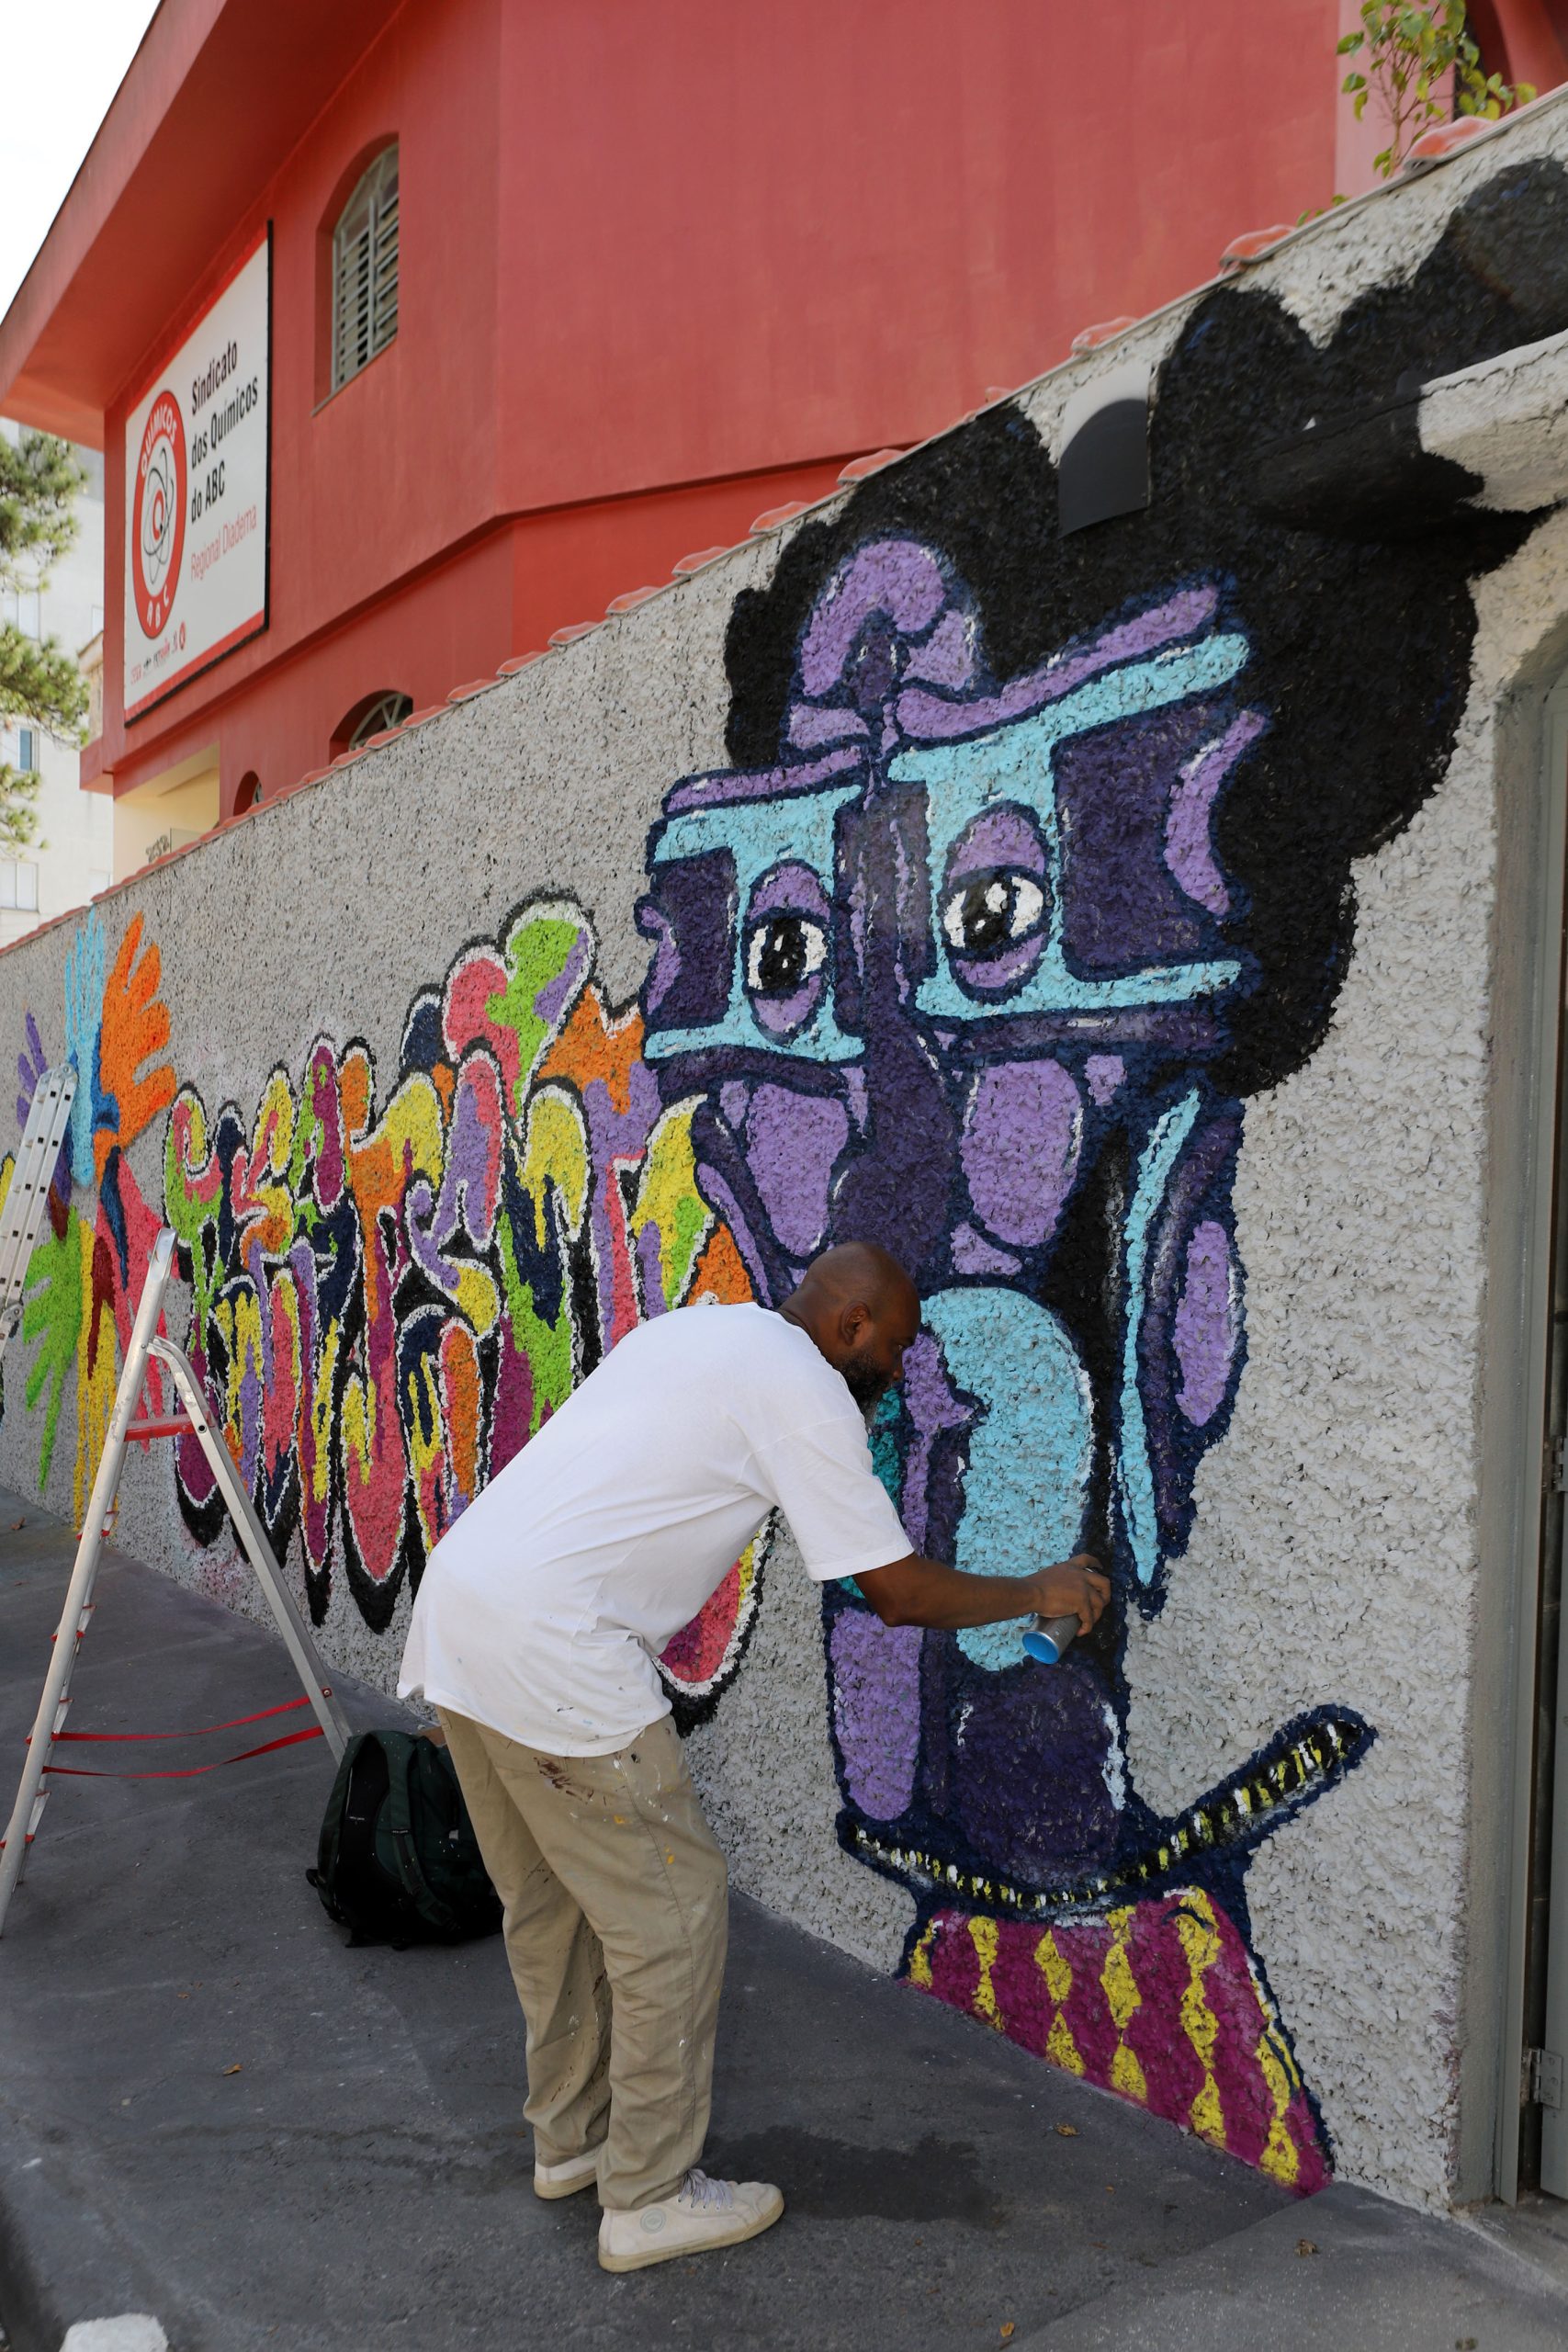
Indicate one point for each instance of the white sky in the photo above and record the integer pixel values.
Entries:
(61, 62)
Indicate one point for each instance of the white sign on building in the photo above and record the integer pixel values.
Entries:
(196, 492)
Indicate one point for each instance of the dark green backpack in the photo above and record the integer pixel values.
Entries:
(398, 1863)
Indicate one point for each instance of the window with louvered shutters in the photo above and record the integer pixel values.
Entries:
(365, 270)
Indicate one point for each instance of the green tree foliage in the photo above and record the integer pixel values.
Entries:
(1407, 47)
(39, 683)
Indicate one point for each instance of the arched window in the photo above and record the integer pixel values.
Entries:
(365, 269)
(371, 717)
(248, 792)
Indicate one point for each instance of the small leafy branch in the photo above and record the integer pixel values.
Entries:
(1407, 48)
(39, 479)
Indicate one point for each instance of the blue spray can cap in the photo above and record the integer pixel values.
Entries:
(1049, 1637)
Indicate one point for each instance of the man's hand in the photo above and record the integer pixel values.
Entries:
(917, 1591)
(1077, 1588)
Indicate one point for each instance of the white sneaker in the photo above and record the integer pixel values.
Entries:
(702, 2215)
(565, 2180)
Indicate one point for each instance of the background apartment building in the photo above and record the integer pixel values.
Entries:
(72, 857)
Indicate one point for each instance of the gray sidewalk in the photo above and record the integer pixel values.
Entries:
(214, 2112)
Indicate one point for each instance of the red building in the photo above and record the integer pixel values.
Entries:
(551, 297)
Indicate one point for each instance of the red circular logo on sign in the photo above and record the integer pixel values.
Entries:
(158, 514)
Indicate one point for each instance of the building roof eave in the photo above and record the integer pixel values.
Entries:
(217, 96)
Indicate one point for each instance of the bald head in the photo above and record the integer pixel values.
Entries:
(861, 1309)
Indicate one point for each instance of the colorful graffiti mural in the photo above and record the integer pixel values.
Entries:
(87, 1273)
(951, 974)
(1032, 866)
(388, 1296)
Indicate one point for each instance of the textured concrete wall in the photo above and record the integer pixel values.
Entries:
(1105, 920)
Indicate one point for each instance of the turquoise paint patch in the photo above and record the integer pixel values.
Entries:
(85, 962)
(1027, 1485)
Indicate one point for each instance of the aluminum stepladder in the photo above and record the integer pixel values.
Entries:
(147, 1348)
(33, 1172)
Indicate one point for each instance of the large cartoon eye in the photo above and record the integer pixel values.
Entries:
(785, 963)
(783, 953)
(990, 913)
(994, 906)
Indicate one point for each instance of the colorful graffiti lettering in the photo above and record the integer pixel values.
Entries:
(387, 1298)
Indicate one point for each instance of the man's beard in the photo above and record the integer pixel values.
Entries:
(865, 1383)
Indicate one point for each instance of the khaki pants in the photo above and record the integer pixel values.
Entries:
(615, 1925)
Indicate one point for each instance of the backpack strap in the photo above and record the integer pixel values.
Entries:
(399, 1822)
(323, 1878)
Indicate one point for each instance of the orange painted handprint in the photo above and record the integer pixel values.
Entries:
(135, 1027)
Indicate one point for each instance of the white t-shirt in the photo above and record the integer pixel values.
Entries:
(542, 1608)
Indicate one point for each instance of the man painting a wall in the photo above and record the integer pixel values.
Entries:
(534, 1636)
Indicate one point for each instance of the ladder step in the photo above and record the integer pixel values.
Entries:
(174, 1425)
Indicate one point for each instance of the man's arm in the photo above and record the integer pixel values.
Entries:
(918, 1591)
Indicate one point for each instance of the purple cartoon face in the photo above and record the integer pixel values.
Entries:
(948, 978)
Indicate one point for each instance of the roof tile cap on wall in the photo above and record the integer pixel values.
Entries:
(570, 636)
(1435, 145)
(474, 686)
(518, 662)
(1255, 241)
(633, 597)
(775, 516)
(697, 562)
(859, 467)
(1106, 331)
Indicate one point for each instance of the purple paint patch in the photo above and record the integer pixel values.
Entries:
(897, 577)
(1021, 1149)
(732, 787)
(947, 657)
(932, 1407)
(1121, 909)
(876, 1710)
(651, 1270)
(932, 720)
(973, 1255)
(30, 1068)
(1204, 1334)
(792, 1143)
(814, 723)
(1104, 1074)
(692, 914)
(1189, 851)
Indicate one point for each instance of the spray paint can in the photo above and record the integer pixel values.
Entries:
(1049, 1637)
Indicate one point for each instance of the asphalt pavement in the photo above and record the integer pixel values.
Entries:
(216, 2114)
